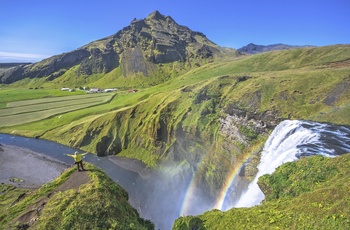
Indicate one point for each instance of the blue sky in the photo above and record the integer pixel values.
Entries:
(33, 30)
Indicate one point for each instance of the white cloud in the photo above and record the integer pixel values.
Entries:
(20, 57)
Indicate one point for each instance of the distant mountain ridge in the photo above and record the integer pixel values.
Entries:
(252, 48)
(139, 49)
(12, 64)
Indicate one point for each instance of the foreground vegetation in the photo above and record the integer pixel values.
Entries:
(97, 203)
(312, 193)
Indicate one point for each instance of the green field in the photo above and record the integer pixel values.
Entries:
(10, 94)
(26, 111)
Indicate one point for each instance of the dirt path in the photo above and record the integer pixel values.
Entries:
(34, 211)
(74, 181)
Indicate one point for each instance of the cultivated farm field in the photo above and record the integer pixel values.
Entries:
(26, 111)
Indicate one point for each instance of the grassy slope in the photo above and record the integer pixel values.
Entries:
(98, 204)
(312, 193)
(9, 195)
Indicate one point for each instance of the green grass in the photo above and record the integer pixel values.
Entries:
(20, 112)
(9, 194)
(8, 94)
(66, 99)
(99, 204)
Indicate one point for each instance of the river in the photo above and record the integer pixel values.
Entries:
(147, 193)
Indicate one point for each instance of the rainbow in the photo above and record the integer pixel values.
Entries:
(186, 203)
(190, 194)
(224, 191)
(188, 200)
(219, 204)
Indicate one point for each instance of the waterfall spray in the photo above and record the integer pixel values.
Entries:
(293, 139)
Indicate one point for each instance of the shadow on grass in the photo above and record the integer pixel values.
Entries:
(196, 224)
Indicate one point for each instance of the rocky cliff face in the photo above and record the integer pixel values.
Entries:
(137, 49)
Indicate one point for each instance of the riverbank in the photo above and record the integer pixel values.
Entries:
(27, 169)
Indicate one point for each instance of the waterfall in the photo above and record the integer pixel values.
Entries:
(293, 139)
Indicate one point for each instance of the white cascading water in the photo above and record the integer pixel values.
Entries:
(290, 140)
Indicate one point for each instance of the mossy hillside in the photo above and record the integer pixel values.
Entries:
(297, 94)
(296, 178)
(67, 78)
(311, 193)
(99, 203)
(151, 125)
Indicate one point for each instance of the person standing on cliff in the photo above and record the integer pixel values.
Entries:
(78, 160)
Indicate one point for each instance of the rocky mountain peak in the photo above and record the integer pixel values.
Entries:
(137, 49)
(156, 16)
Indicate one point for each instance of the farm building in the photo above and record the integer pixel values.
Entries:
(68, 89)
(110, 90)
(94, 90)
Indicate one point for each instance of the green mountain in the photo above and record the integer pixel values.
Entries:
(312, 193)
(147, 52)
(75, 200)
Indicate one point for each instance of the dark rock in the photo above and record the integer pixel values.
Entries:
(133, 62)
(341, 89)
(99, 62)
